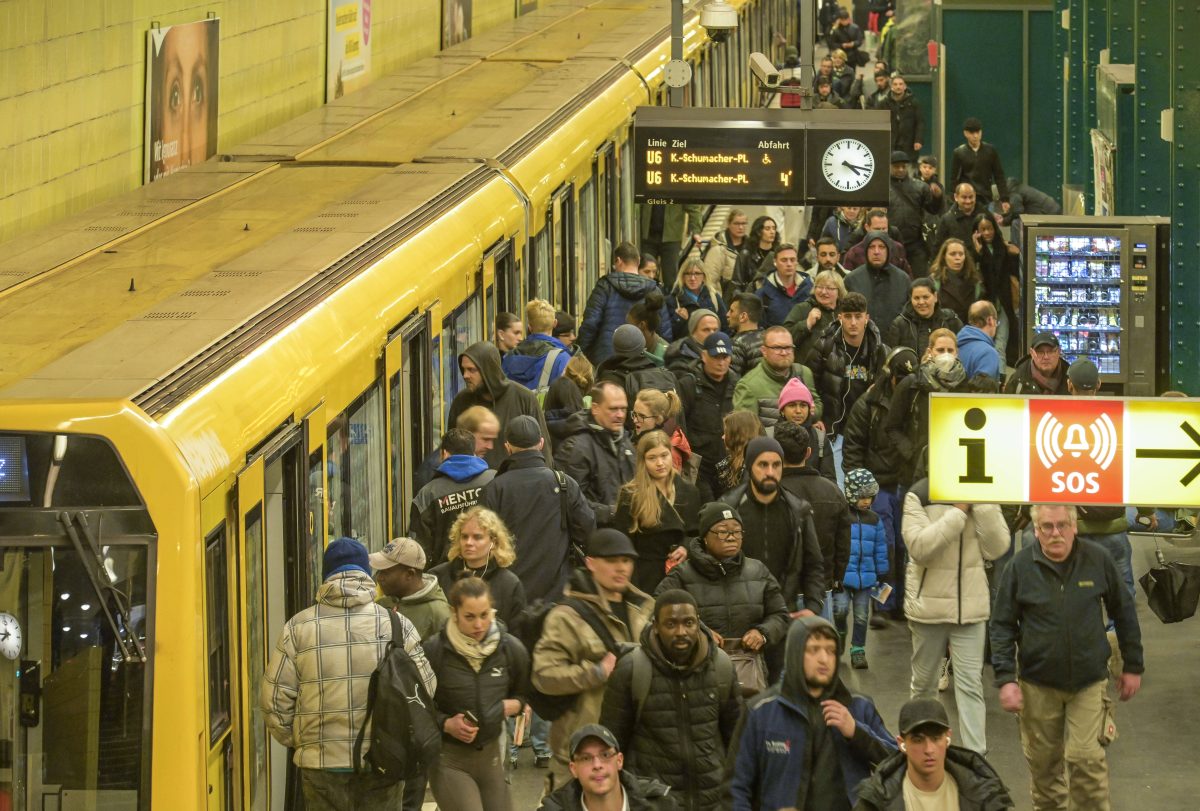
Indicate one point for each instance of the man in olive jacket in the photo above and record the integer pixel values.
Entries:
(674, 704)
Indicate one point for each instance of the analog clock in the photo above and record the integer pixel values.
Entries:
(848, 164)
(10, 636)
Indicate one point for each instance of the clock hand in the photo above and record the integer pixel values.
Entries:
(856, 169)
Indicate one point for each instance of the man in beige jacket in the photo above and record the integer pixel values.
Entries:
(947, 599)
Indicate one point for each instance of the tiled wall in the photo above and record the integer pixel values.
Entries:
(72, 84)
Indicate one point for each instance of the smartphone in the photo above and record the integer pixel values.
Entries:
(471, 719)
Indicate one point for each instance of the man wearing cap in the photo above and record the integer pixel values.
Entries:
(674, 703)
(977, 342)
(570, 658)
(456, 486)
(929, 773)
(683, 354)
(485, 384)
(406, 588)
(601, 782)
(314, 692)
(707, 396)
(1050, 654)
(764, 381)
(784, 288)
(779, 528)
(597, 452)
(544, 510)
(907, 121)
(807, 742)
(910, 200)
(1043, 372)
(633, 369)
(978, 163)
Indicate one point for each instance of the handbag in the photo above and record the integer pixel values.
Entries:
(749, 665)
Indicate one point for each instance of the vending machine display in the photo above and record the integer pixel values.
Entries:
(1077, 295)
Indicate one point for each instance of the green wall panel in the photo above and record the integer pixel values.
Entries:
(923, 93)
(1045, 150)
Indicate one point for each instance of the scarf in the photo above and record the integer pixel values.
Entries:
(476, 653)
(1047, 382)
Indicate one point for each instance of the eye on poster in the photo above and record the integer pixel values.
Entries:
(348, 66)
(456, 21)
(181, 96)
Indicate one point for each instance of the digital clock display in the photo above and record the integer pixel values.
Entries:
(14, 469)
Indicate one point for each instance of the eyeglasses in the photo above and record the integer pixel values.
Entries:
(788, 348)
(727, 534)
(639, 416)
(603, 757)
(1047, 527)
(826, 287)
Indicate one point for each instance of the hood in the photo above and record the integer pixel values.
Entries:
(461, 467)
(792, 686)
(430, 592)
(907, 98)
(537, 345)
(887, 241)
(632, 286)
(707, 565)
(971, 334)
(705, 649)
(486, 356)
(977, 780)
(347, 590)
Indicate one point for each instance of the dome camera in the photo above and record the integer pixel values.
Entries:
(719, 19)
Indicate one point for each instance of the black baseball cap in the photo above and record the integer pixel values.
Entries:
(600, 733)
(1084, 374)
(610, 543)
(972, 124)
(922, 712)
(1045, 339)
(900, 157)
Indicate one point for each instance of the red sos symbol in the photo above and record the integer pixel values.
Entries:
(1077, 453)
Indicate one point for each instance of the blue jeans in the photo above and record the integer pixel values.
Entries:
(861, 600)
(827, 607)
(836, 442)
(539, 736)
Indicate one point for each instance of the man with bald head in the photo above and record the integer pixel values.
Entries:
(957, 222)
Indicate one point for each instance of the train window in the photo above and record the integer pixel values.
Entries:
(588, 233)
(562, 215)
(460, 329)
(256, 660)
(627, 233)
(216, 557)
(411, 417)
(508, 283)
(542, 279)
(489, 305)
(316, 516)
(356, 472)
(610, 191)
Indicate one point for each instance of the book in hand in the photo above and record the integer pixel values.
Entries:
(880, 592)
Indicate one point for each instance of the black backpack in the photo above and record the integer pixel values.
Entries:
(527, 626)
(405, 738)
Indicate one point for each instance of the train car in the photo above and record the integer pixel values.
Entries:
(205, 380)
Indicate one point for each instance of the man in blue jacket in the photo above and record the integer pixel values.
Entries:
(808, 742)
(977, 342)
(541, 358)
(611, 300)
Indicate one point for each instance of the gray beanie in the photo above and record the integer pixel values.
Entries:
(695, 317)
(628, 341)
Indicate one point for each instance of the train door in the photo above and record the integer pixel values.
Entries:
(408, 367)
(560, 223)
(609, 201)
(500, 266)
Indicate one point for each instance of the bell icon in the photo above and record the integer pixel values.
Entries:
(1076, 440)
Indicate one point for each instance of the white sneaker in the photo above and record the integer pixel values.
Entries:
(944, 678)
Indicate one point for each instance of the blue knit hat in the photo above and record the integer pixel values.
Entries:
(344, 555)
(860, 484)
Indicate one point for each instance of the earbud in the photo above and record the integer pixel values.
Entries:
(903, 748)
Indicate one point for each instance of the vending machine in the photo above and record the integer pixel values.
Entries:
(1094, 282)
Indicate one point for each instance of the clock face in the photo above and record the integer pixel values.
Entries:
(848, 164)
(10, 636)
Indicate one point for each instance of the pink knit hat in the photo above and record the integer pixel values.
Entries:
(795, 390)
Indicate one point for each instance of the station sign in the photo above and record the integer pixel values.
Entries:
(770, 157)
(1065, 450)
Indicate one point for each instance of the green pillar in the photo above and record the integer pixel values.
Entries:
(1152, 158)
(1095, 40)
(1185, 211)
(1120, 32)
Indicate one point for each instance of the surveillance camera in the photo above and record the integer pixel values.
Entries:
(718, 18)
(764, 71)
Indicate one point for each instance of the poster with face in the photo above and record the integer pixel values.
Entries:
(456, 22)
(348, 66)
(181, 96)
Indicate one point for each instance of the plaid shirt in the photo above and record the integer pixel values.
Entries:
(315, 690)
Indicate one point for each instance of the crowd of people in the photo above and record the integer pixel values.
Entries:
(652, 536)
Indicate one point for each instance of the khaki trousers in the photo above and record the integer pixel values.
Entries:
(1060, 734)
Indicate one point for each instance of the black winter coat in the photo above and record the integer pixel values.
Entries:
(563, 399)
(508, 594)
(683, 355)
(705, 404)
(1021, 381)
(804, 338)
(907, 122)
(734, 595)
(909, 201)
(642, 793)
(686, 726)
(954, 223)
(633, 374)
(677, 524)
(979, 786)
(525, 494)
(865, 441)
(505, 674)
(598, 460)
(911, 330)
(979, 168)
(747, 350)
(831, 517)
(830, 361)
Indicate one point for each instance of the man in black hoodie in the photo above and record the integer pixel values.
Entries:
(597, 452)
(978, 163)
(884, 285)
(486, 385)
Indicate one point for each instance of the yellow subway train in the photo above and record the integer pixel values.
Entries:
(203, 381)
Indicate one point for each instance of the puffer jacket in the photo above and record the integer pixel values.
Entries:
(839, 382)
(687, 721)
(865, 441)
(610, 301)
(598, 460)
(831, 516)
(763, 383)
(776, 301)
(705, 404)
(566, 659)
(504, 674)
(508, 592)
(720, 259)
(868, 550)
(979, 786)
(911, 330)
(346, 632)
(797, 324)
(946, 581)
(642, 794)
(747, 350)
(426, 608)
(506, 399)
(733, 595)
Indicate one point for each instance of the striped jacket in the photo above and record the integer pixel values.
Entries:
(315, 690)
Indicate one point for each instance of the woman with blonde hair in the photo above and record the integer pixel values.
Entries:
(693, 291)
(658, 510)
(959, 284)
(809, 319)
(481, 546)
(738, 428)
(941, 342)
(655, 410)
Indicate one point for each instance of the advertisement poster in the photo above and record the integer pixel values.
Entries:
(1102, 174)
(349, 61)
(181, 96)
(456, 22)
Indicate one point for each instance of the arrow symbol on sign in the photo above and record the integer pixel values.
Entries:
(1174, 453)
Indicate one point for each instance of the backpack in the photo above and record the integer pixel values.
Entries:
(527, 626)
(643, 673)
(405, 736)
(543, 384)
(655, 378)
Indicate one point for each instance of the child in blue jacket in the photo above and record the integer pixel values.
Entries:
(868, 563)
